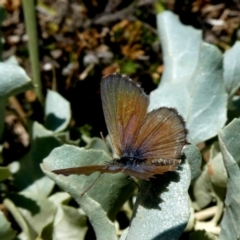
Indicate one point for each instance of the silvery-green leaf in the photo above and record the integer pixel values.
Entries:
(37, 210)
(193, 79)
(12, 60)
(60, 197)
(217, 171)
(162, 207)
(6, 232)
(111, 190)
(153, 205)
(97, 143)
(231, 63)
(194, 157)
(201, 190)
(29, 176)
(57, 112)
(104, 199)
(181, 48)
(229, 139)
(68, 224)
(27, 230)
(14, 80)
(103, 227)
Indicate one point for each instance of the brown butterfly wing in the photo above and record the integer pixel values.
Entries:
(87, 170)
(125, 107)
(161, 138)
(148, 171)
(157, 137)
(141, 172)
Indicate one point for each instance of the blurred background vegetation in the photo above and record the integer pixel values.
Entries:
(68, 46)
(79, 42)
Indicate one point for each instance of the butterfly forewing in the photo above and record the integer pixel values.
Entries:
(125, 107)
(87, 170)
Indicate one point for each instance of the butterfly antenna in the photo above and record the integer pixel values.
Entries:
(103, 138)
(89, 187)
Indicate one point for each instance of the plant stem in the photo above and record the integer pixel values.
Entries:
(31, 29)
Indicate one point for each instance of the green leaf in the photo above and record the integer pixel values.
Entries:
(229, 139)
(192, 81)
(12, 60)
(60, 197)
(45, 215)
(211, 186)
(68, 224)
(98, 144)
(194, 159)
(13, 81)
(202, 190)
(231, 63)
(57, 112)
(29, 176)
(217, 171)
(6, 232)
(4, 173)
(37, 210)
(115, 187)
(27, 230)
(103, 227)
(104, 199)
(162, 207)
(153, 203)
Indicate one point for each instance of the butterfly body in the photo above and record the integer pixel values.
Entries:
(130, 159)
(147, 144)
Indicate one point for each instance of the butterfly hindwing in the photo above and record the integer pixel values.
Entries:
(162, 136)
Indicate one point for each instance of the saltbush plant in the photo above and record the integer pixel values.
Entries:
(201, 83)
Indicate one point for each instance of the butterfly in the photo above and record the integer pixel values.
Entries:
(147, 143)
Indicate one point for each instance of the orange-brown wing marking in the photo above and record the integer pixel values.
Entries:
(125, 107)
(162, 136)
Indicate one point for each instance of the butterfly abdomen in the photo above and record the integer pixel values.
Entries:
(162, 162)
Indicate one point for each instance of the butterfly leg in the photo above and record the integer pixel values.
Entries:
(130, 179)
